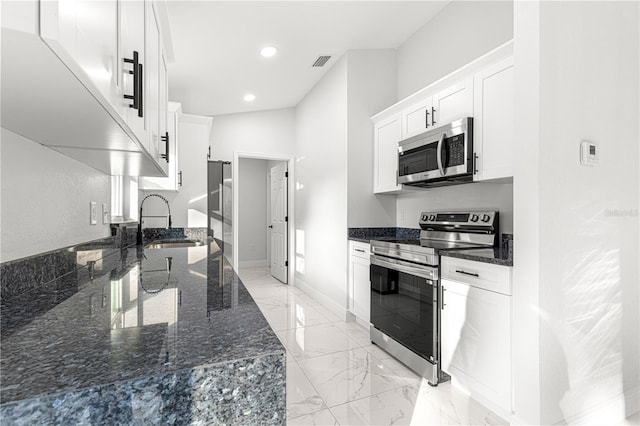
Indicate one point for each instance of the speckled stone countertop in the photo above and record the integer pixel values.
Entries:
(502, 255)
(127, 319)
(496, 256)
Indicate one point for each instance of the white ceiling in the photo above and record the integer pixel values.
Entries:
(217, 46)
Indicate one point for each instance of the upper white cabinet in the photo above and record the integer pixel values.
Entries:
(132, 65)
(442, 107)
(452, 103)
(172, 182)
(417, 118)
(72, 73)
(494, 121)
(86, 32)
(387, 134)
(482, 89)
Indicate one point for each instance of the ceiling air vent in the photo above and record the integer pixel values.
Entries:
(321, 61)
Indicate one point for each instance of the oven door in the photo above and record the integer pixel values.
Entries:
(440, 154)
(404, 304)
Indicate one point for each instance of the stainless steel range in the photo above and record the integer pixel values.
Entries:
(405, 287)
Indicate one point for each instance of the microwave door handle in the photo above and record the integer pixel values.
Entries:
(439, 154)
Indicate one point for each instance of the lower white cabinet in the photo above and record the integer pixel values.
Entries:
(476, 330)
(359, 287)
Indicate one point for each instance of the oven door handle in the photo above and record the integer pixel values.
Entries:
(439, 154)
(400, 266)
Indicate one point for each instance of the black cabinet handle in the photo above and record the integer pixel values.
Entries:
(475, 163)
(140, 90)
(136, 85)
(468, 273)
(270, 226)
(180, 178)
(426, 119)
(433, 116)
(359, 250)
(165, 139)
(209, 153)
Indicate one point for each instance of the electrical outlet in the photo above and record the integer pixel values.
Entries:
(105, 214)
(93, 213)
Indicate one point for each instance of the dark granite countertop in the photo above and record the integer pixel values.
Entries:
(129, 318)
(502, 255)
(496, 256)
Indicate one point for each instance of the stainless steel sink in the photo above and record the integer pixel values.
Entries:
(173, 244)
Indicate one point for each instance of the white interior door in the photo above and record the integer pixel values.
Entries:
(278, 224)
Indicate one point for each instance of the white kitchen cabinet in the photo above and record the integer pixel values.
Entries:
(64, 80)
(133, 43)
(494, 121)
(153, 86)
(387, 134)
(476, 330)
(453, 103)
(359, 286)
(417, 118)
(438, 108)
(172, 181)
(85, 34)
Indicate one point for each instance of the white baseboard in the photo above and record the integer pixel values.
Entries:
(325, 301)
(253, 263)
(630, 399)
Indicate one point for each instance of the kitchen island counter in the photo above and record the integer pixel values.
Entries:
(155, 335)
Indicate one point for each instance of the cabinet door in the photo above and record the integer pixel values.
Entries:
(385, 155)
(453, 103)
(152, 83)
(163, 104)
(361, 288)
(494, 126)
(171, 182)
(417, 118)
(84, 33)
(476, 341)
(132, 39)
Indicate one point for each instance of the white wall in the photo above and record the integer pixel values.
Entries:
(321, 182)
(45, 199)
(460, 33)
(267, 132)
(252, 214)
(371, 88)
(470, 196)
(587, 241)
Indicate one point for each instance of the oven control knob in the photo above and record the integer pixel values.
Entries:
(474, 218)
(424, 217)
(485, 218)
(432, 217)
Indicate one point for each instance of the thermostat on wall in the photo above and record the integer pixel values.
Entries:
(589, 154)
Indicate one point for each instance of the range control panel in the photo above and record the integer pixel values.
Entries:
(459, 219)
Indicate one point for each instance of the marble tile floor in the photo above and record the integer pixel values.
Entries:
(335, 376)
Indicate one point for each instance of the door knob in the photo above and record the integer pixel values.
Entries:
(271, 226)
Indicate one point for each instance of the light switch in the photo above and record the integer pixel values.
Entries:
(105, 214)
(93, 214)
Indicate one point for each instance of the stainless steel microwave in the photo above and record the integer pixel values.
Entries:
(442, 156)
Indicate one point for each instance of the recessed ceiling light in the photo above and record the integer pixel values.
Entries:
(268, 51)
(249, 97)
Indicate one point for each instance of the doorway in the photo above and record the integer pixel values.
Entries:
(263, 213)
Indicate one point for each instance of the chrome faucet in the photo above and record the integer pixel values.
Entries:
(139, 234)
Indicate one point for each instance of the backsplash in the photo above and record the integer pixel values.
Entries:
(368, 233)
